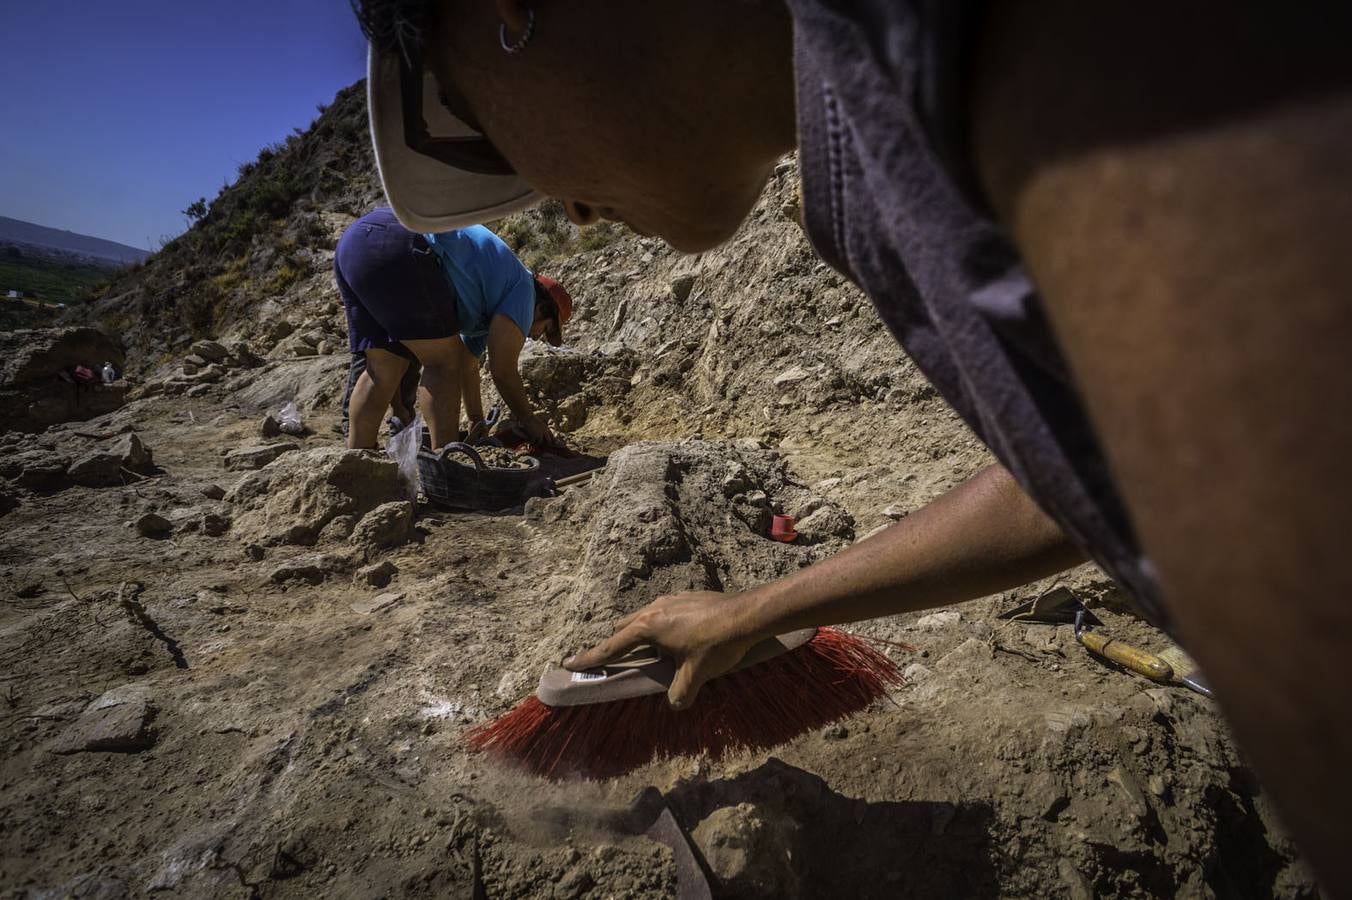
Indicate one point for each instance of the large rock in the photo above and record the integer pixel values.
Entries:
(118, 721)
(212, 351)
(152, 525)
(34, 396)
(40, 470)
(97, 469)
(291, 500)
(134, 455)
(313, 383)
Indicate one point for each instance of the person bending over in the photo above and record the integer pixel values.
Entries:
(442, 299)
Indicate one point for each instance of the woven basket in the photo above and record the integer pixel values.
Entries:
(457, 478)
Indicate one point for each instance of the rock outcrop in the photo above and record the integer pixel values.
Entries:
(37, 387)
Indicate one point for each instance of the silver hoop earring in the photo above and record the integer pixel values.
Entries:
(520, 43)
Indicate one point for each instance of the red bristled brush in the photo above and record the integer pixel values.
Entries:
(608, 721)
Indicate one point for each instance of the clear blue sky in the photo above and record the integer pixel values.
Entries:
(116, 115)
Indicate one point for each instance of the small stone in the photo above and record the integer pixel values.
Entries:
(43, 476)
(97, 469)
(916, 673)
(312, 569)
(749, 851)
(210, 375)
(836, 732)
(377, 574)
(574, 883)
(826, 522)
(117, 721)
(1155, 784)
(385, 526)
(152, 525)
(681, 286)
(270, 427)
(249, 458)
(1076, 885)
(873, 532)
(211, 351)
(791, 376)
(895, 511)
(938, 621)
(338, 529)
(1161, 699)
(377, 603)
(1131, 791)
(215, 524)
(213, 492)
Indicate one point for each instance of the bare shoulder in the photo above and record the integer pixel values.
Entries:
(1178, 179)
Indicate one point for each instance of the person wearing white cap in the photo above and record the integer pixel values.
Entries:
(1113, 235)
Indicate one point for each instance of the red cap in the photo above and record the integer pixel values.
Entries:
(562, 302)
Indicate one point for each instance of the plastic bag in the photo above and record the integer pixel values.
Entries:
(288, 420)
(403, 449)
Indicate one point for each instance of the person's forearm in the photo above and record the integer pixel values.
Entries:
(513, 393)
(983, 536)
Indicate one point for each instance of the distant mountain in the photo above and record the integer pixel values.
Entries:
(13, 231)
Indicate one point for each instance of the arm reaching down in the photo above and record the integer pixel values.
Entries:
(505, 341)
(981, 537)
(471, 388)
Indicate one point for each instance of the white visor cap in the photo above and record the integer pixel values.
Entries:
(428, 195)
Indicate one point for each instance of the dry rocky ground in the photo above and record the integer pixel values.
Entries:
(237, 665)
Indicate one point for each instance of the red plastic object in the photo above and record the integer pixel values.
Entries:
(781, 529)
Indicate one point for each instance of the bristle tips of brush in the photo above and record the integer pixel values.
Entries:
(832, 676)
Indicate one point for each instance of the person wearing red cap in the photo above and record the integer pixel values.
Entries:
(444, 299)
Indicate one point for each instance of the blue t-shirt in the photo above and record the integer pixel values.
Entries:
(488, 279)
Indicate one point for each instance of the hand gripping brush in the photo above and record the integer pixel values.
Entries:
(610, 720)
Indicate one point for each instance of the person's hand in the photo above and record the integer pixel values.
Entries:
(537, 431)
(477, 431)
(694, 628)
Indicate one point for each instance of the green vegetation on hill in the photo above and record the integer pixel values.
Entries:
(254, 239)
(50, 279)
(268, 233)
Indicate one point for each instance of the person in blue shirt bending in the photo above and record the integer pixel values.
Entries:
(442, 300)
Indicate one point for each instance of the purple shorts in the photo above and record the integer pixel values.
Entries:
(392, 284)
